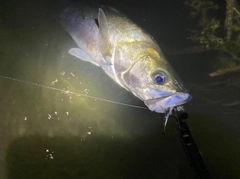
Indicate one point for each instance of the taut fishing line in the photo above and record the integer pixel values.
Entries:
(74, 93)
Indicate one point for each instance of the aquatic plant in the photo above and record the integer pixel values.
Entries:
(215, 34)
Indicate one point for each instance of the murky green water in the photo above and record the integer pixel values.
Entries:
(46, 133)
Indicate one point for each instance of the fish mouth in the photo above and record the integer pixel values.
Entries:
(163, 103)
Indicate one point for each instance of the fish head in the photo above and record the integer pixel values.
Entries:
(152, 79)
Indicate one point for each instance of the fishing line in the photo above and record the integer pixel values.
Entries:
(74, 93)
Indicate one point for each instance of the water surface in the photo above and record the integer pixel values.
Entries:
(46, 133)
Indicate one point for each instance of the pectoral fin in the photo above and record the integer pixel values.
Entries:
(103, 39)
(77, 52)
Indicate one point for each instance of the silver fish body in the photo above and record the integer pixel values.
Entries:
(126, 53)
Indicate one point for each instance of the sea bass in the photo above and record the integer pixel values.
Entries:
(126, 53)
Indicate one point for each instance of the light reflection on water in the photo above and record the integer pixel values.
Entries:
(36, 122)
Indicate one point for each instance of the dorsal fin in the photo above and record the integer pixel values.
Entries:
(103, 38)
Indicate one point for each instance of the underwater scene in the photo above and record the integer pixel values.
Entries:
(88, 90)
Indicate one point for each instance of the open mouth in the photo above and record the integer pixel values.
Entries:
(161, 104)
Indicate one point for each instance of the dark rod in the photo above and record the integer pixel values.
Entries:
(189, 145)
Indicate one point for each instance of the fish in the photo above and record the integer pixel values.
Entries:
(130, 56)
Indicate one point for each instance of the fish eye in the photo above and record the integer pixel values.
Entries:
(159, 77)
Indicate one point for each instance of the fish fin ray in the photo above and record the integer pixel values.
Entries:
(103, 39)
(79, 53)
